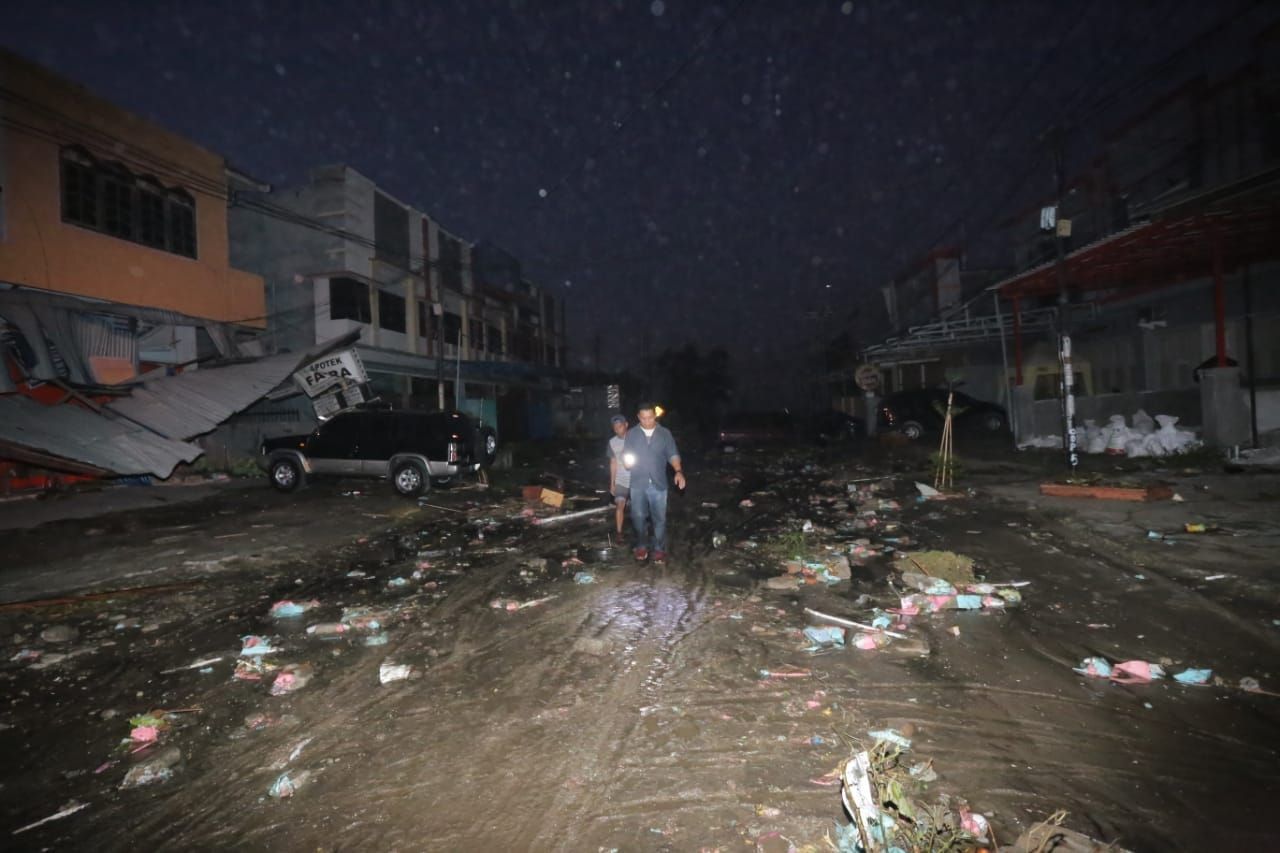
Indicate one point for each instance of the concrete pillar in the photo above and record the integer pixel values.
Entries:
(1022, 413)
(872, 412)
(1223, 410)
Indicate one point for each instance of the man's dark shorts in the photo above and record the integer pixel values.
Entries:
(621, 493)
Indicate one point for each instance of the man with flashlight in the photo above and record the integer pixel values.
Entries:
(646, 453)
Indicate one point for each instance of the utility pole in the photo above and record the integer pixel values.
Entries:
(1062, 230)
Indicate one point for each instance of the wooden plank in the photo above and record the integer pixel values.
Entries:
(1106, 493)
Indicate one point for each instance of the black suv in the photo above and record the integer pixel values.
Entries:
(411, 448)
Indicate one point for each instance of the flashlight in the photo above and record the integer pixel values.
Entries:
(628, 460)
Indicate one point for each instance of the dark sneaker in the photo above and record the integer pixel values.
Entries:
(659, 556)
(642, 554)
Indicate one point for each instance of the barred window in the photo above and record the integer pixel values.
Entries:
(109, 198)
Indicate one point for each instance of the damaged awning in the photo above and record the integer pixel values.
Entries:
(193, 403)
(147, 432)
(76, 439)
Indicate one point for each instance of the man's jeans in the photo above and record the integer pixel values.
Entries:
(646, 503)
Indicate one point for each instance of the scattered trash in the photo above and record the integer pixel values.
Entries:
(390, 672)
(287, 609)
(511, 605)
(927, 492)
(1194, 676)
(717, 540)
(365, 619)
(397, 583)
(584, 578)
(947, 565)
(253, 645)
(200, 664)
(1050, 835)
(1128, 672)
(885, 799)
(158, 767)
(286, 786)
(59, 634)
(327, 629)
(67, 810)
(890, 736)
(253, 669)
(568, 516)
(376, 639)
(292, 678)
(821, 637)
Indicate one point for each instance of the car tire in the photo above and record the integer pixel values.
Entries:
(993, 421)
(410, 479)
(912, 430)
(287, 475)
(488, 447)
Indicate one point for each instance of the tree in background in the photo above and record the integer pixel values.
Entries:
(696, 387)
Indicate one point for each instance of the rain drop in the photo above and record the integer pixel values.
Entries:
(542, 193)
(846, 8)
(280, 69)
(657, 7)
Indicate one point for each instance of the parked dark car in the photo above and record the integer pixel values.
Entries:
(833, 427)
(746, 429)
(411, 448)
(915, 413)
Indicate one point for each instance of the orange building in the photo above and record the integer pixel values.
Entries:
(113, 240)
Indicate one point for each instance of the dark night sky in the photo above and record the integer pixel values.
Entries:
(803, 152)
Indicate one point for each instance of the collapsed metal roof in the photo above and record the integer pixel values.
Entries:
(85, 441)
(189, 404)
(145, 433)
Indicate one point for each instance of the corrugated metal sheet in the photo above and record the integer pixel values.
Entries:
(89, 438)
(193, 403)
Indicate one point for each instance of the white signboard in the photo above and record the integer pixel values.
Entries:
(867, 377)
(339, 368)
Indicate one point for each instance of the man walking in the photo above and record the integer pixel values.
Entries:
(646, 452)
(619, 476)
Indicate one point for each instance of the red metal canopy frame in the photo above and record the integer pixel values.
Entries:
(1167, 251)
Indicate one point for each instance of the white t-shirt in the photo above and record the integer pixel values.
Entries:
(623, 477)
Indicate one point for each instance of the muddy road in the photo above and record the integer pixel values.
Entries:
(654, 708)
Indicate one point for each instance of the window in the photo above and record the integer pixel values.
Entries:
(475, 334)
(79, 190)
(452, 327)
(450, 262)
(348, 300)
(151, 227)
(107, 197)
(390, 231)
(117, 204)
(181, 210)
(493, 339)
(391, 311)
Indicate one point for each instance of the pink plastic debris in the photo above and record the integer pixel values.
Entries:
(1135, 672)
(144, 734)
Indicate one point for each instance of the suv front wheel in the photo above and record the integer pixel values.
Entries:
(286, 475)
(410, 479)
